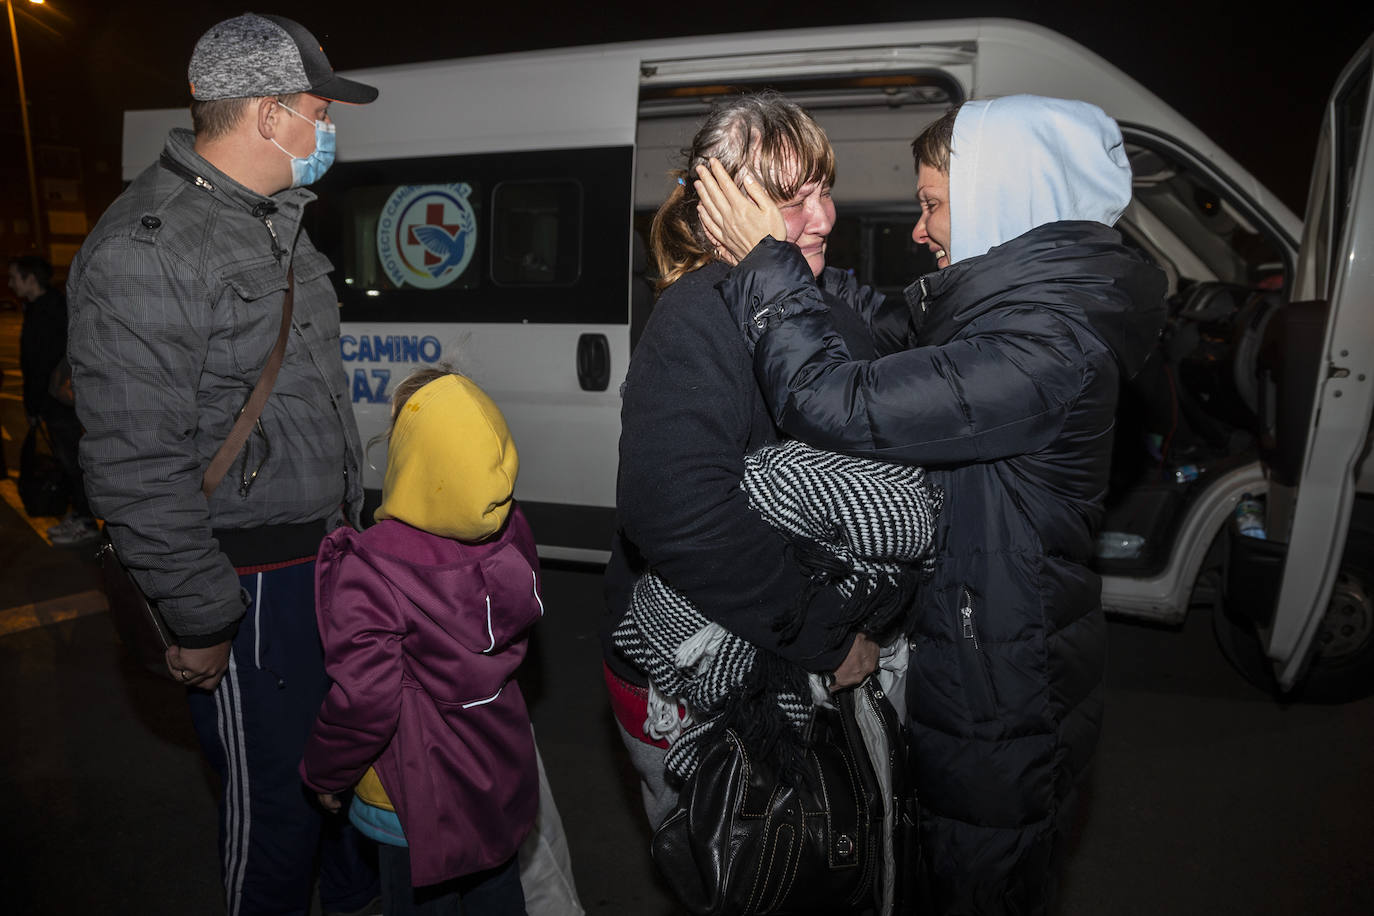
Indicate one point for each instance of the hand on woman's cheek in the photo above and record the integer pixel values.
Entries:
(736, 221)
(722, 251)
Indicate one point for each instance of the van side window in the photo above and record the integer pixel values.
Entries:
(876, 245)
(871, 242)
(1181, 218)
(510, 237)
(424, 237)
(536, 233)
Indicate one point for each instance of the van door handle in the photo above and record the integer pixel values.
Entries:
(593, 362)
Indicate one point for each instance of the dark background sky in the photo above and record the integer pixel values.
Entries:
(1252, 75)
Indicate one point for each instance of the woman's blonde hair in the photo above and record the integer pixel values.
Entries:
(779, 142)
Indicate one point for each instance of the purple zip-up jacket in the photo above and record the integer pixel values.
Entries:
(422, 635)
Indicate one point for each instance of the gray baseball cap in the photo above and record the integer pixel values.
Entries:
(251, 55)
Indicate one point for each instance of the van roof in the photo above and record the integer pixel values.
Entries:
(589, 96)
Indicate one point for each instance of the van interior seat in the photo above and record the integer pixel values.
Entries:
(1250, 326)
(1289, 359)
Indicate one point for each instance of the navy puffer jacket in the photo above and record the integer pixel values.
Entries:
(1008, 401)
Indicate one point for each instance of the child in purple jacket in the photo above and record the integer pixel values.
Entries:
(424, 618)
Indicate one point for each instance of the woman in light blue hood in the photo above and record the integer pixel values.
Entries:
(999, 373)
(1024, 161)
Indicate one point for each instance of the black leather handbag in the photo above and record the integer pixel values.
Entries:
(42, 486)
(741, 842)
(138, 623)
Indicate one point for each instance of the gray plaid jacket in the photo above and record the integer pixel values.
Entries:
(175, 303)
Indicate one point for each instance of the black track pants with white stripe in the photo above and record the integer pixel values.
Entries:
(253, 729)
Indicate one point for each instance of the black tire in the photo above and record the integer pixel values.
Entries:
(1342, 667)
(1343, 664)
(1241, 646)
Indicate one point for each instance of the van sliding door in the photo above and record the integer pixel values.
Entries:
(505, 267)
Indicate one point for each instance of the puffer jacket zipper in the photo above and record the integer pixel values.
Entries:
(973, 662)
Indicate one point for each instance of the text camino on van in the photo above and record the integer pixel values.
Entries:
(371, 387)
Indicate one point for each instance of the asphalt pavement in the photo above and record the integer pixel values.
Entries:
(1207, 796)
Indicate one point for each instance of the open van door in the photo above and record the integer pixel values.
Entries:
(1320, 358)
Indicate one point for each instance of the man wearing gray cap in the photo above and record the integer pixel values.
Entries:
(177, 298)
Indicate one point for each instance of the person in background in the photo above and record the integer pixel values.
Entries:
(425, 616)
(177, 298)
(43, 361)
(1007, 395)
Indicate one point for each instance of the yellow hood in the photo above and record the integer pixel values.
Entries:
(451, 465)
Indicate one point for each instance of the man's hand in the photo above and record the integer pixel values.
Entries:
(329, 802)
(200, 668)
(861, 661)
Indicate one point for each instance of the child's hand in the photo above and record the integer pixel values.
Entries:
(329, 802)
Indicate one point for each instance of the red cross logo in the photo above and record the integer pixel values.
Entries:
(434, 216)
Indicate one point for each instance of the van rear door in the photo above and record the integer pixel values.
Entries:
(1315, 464)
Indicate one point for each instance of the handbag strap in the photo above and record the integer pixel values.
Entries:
(252, 409)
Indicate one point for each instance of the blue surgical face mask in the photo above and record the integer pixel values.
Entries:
(310, 169)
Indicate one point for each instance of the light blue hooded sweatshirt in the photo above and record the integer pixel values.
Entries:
(1023, 161)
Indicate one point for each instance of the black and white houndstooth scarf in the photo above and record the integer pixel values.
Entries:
(862, 526)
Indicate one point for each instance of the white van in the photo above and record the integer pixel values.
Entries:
(491, 212)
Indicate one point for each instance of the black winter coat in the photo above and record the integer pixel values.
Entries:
(691, 411)
(1009, 402)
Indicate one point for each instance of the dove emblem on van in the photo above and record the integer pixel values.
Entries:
(426, 235)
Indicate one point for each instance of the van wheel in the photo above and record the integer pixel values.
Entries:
(1241, 646)
(1342, 667)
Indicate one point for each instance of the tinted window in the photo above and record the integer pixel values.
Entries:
(419, 236)
(1184, 203)
(512, 237)
(536, 233)
(874, 245)
(878, 248)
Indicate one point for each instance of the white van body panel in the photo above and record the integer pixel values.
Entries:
(145, 133)
(554, 100)
(591, 98)
(1163, 598)
(1338, 436)
(588, 96)
(533, 412)
(1015, 58)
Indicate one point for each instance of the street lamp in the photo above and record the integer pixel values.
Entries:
(28, 137)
